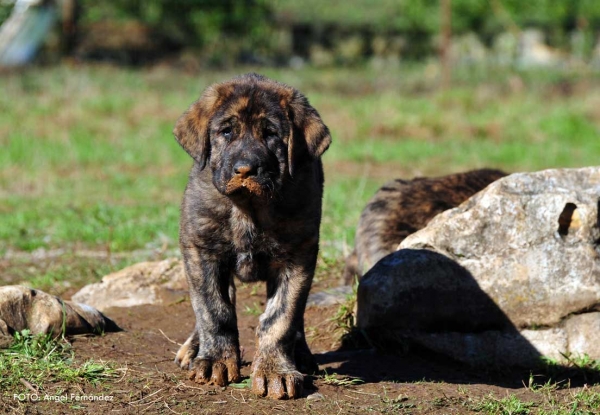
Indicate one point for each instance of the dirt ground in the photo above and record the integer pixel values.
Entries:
(147, 380)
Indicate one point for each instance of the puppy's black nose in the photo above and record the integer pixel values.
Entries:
(245, 168)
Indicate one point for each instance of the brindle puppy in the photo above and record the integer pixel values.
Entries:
(403, 207)
(251, 209)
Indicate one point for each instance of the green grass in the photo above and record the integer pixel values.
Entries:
(254, 310)
(582, 362)
(117, 226)
(88, 160)
(583, 402)
(338, 380)
(510, 405)
(42, 360)
(63, 273)
(244, 384)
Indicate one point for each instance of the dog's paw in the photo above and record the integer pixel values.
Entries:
(220, 369)
(215, 372)
(278, 385)
(276, 378)
(187, 352)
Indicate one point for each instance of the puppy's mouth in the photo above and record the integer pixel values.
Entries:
(245, 184)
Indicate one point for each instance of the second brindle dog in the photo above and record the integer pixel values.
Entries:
(401, 207)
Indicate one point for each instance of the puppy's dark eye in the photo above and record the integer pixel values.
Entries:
(270, 133)
(227, 132)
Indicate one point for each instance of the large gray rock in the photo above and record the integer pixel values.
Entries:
(25, 308)
(526, 247)
(143, 283)
(531, 240)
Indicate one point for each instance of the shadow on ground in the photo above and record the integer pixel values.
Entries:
(428, 319)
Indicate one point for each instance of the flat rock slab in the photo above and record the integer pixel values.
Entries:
(25, 308)
(157, 282)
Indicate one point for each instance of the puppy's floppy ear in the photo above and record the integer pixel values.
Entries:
(191, 129)
(310, 137)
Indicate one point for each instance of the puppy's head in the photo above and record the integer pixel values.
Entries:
(252, 132)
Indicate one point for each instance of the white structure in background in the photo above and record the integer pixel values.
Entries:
(504, 48)
(596, 54)
(22, 34)
(468, 49)
(533, 51)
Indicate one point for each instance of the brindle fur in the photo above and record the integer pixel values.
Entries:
(402, 207)
(251, 209)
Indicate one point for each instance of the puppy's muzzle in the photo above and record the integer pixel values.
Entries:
(244, 169)
(247, 174)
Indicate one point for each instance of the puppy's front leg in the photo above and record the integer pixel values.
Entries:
(212, 351)
(274, 370)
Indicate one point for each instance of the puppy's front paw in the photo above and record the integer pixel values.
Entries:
(218, 372)
(220, 369)
(276, 378)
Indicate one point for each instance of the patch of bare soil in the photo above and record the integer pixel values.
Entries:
(148, 381)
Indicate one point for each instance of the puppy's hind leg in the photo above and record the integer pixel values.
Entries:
(305, 361)
(188, 351)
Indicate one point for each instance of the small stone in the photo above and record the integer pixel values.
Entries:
(315, 397)
(330, 296)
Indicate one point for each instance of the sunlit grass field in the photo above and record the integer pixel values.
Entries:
(88, 161)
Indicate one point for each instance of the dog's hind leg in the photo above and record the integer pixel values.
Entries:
(305, 361)
(188, 351)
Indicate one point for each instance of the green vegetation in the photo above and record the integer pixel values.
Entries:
(35, 361)
(88, 161)
(67, 270)
(254, 310)
(207, 24)
(202, 22)
(583, 362)
(511, 405)
(585, 402)
(344, 319)
(422, 16)
(337, 380)
(244, 384)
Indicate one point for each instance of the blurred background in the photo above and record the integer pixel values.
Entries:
(91, 177)
(194, 34)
